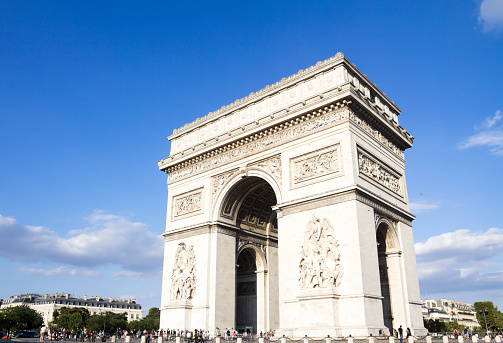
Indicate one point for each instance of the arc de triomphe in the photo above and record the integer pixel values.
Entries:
(288, 211)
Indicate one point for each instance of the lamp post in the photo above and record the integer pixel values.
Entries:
(484, 311)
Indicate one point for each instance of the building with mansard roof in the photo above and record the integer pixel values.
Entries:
(47, 304)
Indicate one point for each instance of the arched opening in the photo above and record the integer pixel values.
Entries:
(246, 292)
(247, 208)
(385, 242)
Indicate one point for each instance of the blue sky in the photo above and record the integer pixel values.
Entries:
(89, 91)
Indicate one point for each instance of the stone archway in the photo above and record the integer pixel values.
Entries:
(386, 246)
(247, 207)
(246, 181)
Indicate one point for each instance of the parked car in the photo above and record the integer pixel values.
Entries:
(27, 334)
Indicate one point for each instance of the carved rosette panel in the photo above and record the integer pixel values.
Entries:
(183, 276)
(319, 164)
(320, 261)
(376, 171)
(218, 182)
(188, 204)
(272, 165)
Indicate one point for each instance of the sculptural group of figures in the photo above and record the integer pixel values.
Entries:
(183, 277)
(378, 173)
(320, 263)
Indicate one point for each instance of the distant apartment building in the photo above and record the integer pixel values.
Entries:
(47, 304)
(450, 311)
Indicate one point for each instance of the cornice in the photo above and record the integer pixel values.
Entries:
(354, 192)
(279, 133)
(282, 132)
(370, 103)
(264, 91)
(285, 83)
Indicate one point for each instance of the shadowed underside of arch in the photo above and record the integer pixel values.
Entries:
(248, 206)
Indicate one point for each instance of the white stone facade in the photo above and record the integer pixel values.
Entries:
(293, 205)
(47, 304)
(451, 311)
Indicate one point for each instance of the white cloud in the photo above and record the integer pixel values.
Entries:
(490, 134)
(110, 240)
(463, 261)
(59, 271)
(128, 274)
(421, 207)
(491, 15)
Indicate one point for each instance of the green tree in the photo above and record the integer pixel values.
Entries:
(71, 319)
(108, 321)
(451, 326)
(136, 325)
(493, 316)
(434, 325)
(20, 318)
(153, 319)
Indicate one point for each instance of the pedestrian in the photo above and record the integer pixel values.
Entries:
(408, 335)
(400, 333)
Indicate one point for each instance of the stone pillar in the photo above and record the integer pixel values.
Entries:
(497, 339)
(306, 340)
(261, 340)
(428, 339)
(283, 340)
(411, 339)
(113, 339)
(128, 339)
(160, 339)
(178, 340)
(261, 301)
(143, 339)
(474, 339)
(371, 339)
(328, 340)
(239, 340)
(460, 339)
(392, 339)
(445, 339)
(350, 339)
(487, 339)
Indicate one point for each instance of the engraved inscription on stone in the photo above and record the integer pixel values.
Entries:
(320, 261)
(183, 277)
(370, 167)
(188, 203)
(321, 163)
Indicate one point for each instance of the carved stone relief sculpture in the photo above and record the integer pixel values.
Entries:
(377, 172)
(321, 163)
(218, 183)
(273, 166)
(183, 277)
(320, 261)
(188, 203)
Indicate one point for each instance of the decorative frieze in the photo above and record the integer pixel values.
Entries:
(324, 163)
(183, 276)
(320, 261)
(188, 204)
(260, 141)
(376, 134)
(376, 171)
